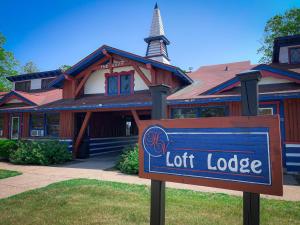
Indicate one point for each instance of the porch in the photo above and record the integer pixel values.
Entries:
(97, 133)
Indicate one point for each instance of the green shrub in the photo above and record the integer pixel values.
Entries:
(129, 160)
(40, 153)
(7, 147)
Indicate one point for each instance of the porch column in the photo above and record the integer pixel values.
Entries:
(81, 133)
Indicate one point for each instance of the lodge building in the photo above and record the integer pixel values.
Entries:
(96, 104)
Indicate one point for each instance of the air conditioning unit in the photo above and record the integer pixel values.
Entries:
(37, 133)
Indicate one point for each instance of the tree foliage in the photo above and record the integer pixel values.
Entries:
(29, 67)
(8, 65)
(279, 25)
(64, 67)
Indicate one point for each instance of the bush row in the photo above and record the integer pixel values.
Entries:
(46, 152)
(129, 160)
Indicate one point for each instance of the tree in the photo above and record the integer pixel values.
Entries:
(278, 26)
(29, 67)
(8, 65)
(64, 67)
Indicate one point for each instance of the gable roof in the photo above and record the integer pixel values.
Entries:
(282, 73)
(33, 99)
(208, 77)
(98, 54)
(29, 76)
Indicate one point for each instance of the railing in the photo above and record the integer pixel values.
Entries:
(103, 145)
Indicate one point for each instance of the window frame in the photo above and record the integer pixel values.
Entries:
(45, 125)
(47, 80)
(199, 110)
(290, 55)
(118, 75)
(24, 82)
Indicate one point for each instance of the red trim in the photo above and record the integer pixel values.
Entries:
(118, 75)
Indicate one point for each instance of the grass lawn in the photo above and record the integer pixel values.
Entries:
(8, 173)
(83, 201)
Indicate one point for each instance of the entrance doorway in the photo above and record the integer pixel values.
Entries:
(15, 127)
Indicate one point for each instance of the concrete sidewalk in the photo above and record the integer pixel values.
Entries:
(40, 176)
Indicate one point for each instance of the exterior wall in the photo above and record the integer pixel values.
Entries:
(69, 89)
(273, 80)
(25, 125)
(6, 125)
(292, 134)
(66, 125)
(292, 120)
(36, 84)
(96, 82)
(234, 108)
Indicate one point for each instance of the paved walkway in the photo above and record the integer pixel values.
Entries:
(39, 176)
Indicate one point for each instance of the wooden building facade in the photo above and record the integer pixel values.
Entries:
(96, 105)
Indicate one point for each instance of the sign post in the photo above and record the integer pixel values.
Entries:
(249, 104)
(159, 111)
(240, 153)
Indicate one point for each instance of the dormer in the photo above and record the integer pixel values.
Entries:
(287, 50)
(33, 82)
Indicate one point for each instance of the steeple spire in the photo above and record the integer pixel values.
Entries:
(157, 42)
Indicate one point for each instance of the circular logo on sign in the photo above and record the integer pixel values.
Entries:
(155, 141)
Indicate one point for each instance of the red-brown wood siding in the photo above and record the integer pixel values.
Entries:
(25, 125)
(66, 124)
(292, 120)
(234, 108)
(69, 89)
(166, 77)
(6, 125)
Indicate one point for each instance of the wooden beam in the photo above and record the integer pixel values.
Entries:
(86, 74)
(129, 61)
(142, 75)
(152, 71)
(82, 82)
(81, 133)
(94, 67)
(136, 117)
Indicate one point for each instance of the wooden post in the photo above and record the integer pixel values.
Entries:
(249, 103)
(159, 111)
(81, 132)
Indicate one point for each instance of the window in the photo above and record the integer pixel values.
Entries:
(46, 82)
(119, 83)
(294, 54)
(185, 113)
(22, 86)
(112, 84)
(265, 111)
(213, 111)
(125, 84)
(37, 121)
(47, 123)
(52, 124)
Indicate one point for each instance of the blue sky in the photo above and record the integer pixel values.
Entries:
(57, 32)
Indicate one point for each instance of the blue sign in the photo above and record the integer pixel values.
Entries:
(228, 154)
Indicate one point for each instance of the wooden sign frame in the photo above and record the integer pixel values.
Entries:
(270, 122)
